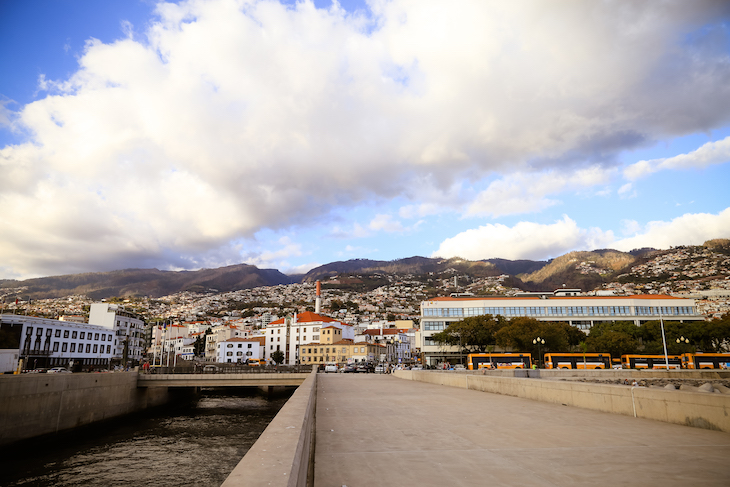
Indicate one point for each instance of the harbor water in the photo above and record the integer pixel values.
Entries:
(195, 443)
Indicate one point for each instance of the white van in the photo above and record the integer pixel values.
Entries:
(330, 368)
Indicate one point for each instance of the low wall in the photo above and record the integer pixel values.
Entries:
(704, 410)
(283, 454)
(37, 404)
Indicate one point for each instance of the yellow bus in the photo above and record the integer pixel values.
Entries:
(254, 362)
(635, 361)
(478, 361)
(577, 360)
(706, 360)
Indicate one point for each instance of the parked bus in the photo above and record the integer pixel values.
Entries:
(577, 360)
(478, 361)
(650, 362)
(706, 360)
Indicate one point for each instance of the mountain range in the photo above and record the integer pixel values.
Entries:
(585, 270)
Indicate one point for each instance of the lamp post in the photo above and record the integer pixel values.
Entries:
(683, 342)
(539, 342)
(664, 338)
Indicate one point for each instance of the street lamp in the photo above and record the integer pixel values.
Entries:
(539, 342)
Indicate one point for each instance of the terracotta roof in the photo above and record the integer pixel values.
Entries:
(307, 317)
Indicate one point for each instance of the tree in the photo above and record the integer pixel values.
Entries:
(617, 338)
(473, 334)
(520, 332)
(277, 356)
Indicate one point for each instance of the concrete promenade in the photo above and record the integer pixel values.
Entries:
(385, 431)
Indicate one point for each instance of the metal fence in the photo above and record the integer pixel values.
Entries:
(229, 369)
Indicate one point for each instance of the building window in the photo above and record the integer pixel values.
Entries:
(229, 354)
(82, 335)
(48, 332)
(239, 353)
(88, 348)
(55, 346)
(96, 348)
(39, 332)
(64, 347)
(240, 345)
(108, 349)
(73, 347)
(249, 345)
(73, 334)
(96, 336)
(315, 338)
(58, 333)
(229, 345)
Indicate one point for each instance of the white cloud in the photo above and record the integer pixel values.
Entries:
(527, 192)
(385, 223)
(709, 154)
(528, 240)
(525, 240)
(688, 229)
(228, 117)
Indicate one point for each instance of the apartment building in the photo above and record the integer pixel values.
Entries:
(127, 327)
(288, 334)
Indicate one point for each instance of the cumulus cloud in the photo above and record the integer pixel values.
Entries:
(227, 117)
(688, 229)
(525, 240)
(709, 154)
(528, 240)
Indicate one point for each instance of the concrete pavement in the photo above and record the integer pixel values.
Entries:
(377, 430)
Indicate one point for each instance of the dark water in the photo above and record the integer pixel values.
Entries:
(195, 443)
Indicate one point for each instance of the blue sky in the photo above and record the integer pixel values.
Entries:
(289, 135)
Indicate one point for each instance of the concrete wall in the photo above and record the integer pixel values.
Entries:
(283, 455)
(37, 404)
(705, 410)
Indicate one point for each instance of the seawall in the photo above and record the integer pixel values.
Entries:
(700, 409)
(37, 404)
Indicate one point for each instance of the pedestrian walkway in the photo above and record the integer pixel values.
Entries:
(377, 430)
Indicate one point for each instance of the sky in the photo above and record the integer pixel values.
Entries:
(287, 135)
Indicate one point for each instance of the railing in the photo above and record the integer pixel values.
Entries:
(229, 369)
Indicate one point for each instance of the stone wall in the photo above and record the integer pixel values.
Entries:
(37, 404)
(283, 456)
(700, 409)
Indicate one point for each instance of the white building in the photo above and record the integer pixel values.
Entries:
(286, 334)
(43, 342)
(127, 327)
(219, 334)
(238, 350)
(561, 306)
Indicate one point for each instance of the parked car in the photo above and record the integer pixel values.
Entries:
(58, 370)
(254, 362)
(459, 367)
(364, 367)
(347, 369)
(210, 369)
(330, 368)
(380, 369)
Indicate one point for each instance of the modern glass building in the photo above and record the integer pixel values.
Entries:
(579, 311)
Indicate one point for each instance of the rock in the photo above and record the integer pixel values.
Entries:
(707, 387)
(685, 387)
(721, 388)
(670, 387)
